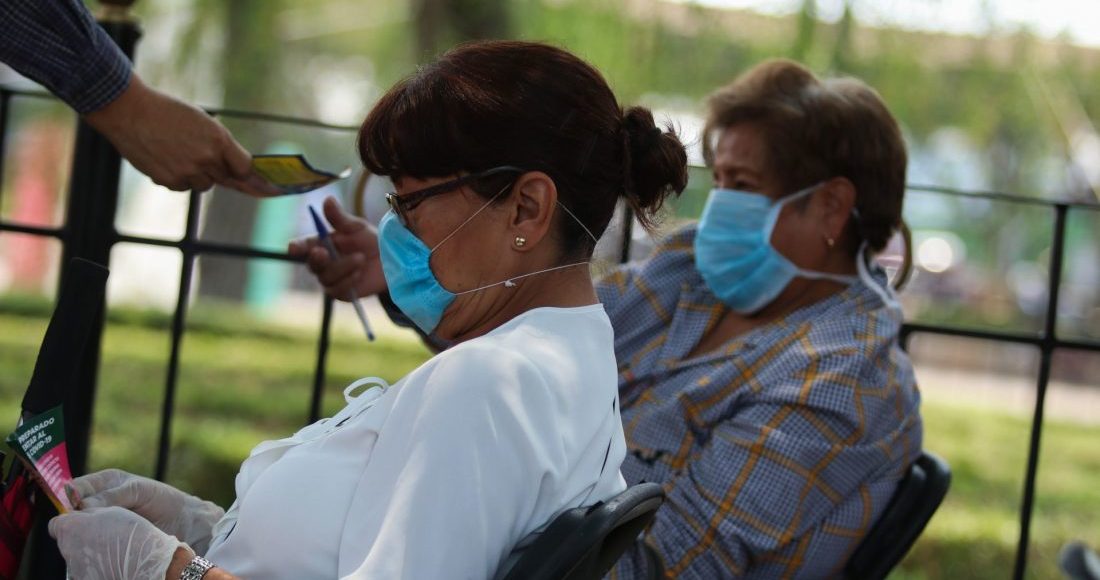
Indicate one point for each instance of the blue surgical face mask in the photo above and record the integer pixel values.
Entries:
(734, 254)
(406, 263)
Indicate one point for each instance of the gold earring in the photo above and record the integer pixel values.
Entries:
(521, 241)
(830, 242)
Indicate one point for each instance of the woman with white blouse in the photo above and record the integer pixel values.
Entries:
(508, 159)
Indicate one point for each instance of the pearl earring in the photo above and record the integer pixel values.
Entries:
(521, 241)
(830, 242)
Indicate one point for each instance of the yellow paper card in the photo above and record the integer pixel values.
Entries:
(292, 173)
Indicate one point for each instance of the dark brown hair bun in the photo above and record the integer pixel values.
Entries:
(655, 164)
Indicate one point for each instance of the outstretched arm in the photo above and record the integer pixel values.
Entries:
(58, 44)
(176, 144)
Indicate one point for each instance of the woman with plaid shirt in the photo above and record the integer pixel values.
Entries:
(760, 374)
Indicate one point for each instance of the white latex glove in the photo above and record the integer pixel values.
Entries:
(112, 544)
(172, 511)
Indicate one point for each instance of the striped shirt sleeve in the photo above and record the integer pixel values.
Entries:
(57, 44)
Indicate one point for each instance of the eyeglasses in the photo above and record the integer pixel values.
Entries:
(402, 204)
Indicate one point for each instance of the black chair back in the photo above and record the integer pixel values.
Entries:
(918, 496)
(1079, 562)
(584, 543)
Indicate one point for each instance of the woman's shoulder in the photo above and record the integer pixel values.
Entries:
(680, 242)
(851, 339)
(539, 354)
(855, 311)
(519, 354)
(478, 361)
(672, 259)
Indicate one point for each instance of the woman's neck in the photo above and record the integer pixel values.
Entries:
(799, 294)
(569, 287)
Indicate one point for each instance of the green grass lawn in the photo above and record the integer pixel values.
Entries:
(235, 389)
(975, 531)
(242, 382)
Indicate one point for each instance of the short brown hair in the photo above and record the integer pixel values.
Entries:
(819, 129)
(491, 103)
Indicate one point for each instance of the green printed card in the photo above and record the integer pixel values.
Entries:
(40, 443)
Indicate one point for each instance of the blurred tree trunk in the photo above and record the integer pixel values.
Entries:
(807, 24)
(441, 24)
(251, 79)
(843, 49)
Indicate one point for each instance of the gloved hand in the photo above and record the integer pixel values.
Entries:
(112, 544)
(172, 511)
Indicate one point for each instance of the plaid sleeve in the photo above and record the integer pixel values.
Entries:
(641, 296)
(58, 44)
(611, 288)
(785, 487)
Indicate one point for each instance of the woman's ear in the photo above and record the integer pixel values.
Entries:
(835, 201)
(533, 212)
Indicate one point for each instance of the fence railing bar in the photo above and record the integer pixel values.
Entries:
(1027, 506)
(4, 97)
(988, 194)
(911, 328)
(628, 234)
(241, 251)
(10, 91)
(996, 195)
(201, 247)
(1077, 345)
(282, 119)
(178, 321)
(316, 398)
(127, 239)
(1019, 338)
(50, 232)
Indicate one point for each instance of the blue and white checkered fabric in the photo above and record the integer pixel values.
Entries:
(58, 44)
(777, 451)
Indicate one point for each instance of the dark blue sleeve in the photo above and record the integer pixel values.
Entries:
(58, 44)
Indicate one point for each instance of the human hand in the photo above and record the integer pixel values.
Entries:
(112, 544)
(358, 270)
(172, 511)
(176, 144)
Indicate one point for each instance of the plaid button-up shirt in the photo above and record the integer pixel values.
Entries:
(56, 43)
(777, 451)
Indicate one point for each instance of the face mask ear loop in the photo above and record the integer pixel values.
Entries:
(579, 222)
(510, 282)
(887, 294)
(463, 224)
(777, 208)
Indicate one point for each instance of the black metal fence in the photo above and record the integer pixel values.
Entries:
(89, 231)
(1047, 341)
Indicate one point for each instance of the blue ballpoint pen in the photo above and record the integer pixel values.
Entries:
(326, 241)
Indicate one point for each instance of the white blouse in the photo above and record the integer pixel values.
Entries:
(441, 474)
